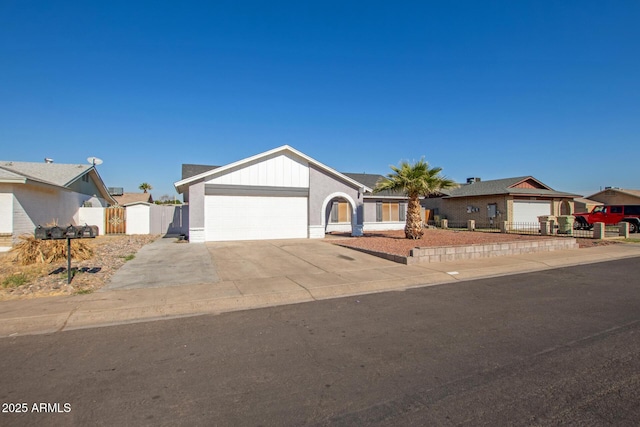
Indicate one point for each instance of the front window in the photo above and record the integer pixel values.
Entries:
(340, 212)
(391, 211)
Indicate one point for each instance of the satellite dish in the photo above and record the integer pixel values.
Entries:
(94, 161)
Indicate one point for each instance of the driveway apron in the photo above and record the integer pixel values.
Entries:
(165, 262)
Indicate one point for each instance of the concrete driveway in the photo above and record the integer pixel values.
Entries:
(299, 267)
(314, 266)
(165, 262)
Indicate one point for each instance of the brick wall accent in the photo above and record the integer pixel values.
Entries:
(489, 250)
(455, 210)
(455, 253)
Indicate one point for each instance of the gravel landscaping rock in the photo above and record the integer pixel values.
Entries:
(110, 253)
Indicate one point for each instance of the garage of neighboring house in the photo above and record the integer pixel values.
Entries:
(278, 194)
(528, 211)
(518, 201)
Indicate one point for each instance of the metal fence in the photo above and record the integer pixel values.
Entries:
(528, 228)
(609, 231)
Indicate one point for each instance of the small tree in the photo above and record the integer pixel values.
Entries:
(414, 180)
(145, 187)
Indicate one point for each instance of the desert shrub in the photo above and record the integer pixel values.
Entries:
(15, 280)
(35, 251)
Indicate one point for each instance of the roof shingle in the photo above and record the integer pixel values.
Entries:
(59, 174)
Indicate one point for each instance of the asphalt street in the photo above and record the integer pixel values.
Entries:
(547, 348)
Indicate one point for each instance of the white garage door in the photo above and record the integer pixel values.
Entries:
(255, 218)
(529, 211)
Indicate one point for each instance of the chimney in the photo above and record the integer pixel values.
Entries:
(472, 180)
(48, 160)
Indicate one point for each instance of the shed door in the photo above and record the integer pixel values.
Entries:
(255, 218)
(528, 211)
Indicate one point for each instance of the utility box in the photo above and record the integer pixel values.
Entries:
(565, 224)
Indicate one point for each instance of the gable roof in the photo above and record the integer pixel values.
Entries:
(633, 193)
(370, 180)
(189, 170)
(57, 174)
(517, 186)
(11, 177)
(129, 198)
(184, 183)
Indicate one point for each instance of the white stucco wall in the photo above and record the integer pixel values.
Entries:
(6, 210)
(92, 216)
(138, 219)
(41, 205)
(384, 226)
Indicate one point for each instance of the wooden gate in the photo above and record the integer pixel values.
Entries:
(115, 220)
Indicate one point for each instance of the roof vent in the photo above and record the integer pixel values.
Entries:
(116, 191)
(48, 160)
(472, 180)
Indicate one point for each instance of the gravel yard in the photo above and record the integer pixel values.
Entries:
(394, 242)
(110, 253)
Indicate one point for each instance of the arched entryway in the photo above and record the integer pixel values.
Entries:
(566, 208)
(339, 214)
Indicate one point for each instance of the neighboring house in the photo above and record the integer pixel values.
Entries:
(514, 200)
(585, 205)
(125, 199)
(617, 196)
(278, 194)
(33, 194)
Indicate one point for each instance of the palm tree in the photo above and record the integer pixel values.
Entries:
(145, 186)
(414, 180)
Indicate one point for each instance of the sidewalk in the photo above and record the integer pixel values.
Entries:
(118, 306)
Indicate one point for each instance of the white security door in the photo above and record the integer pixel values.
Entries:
(528, 211)
(255, 218)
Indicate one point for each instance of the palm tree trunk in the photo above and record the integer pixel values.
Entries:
(414, 228)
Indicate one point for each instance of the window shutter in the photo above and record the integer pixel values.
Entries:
(379, 211)
(403, 212)
(334, 212)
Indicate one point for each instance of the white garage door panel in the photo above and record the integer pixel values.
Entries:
(255, 218)
(529, 211)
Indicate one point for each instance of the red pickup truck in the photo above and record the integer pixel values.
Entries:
(610, 215)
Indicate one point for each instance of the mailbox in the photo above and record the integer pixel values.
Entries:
(88, 231)
(57, 233)
(43, 233)
(70, 232)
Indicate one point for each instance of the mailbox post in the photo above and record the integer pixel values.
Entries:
(71, 232)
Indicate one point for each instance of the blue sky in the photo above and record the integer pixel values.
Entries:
(491, 89)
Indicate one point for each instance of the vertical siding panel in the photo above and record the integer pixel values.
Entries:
(279, 171)
(289, 167)
(253, 175)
